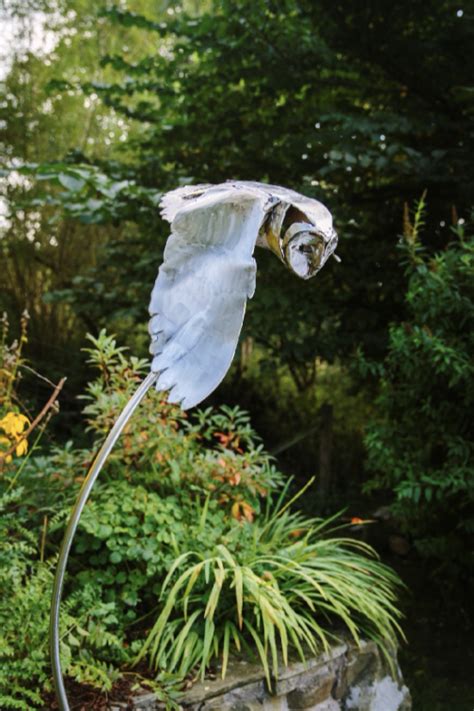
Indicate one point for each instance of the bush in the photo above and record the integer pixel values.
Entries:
(90, 651)
(165, 474)
(421, 444)
(183, 513)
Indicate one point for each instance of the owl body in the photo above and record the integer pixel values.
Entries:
(208, 273)
(279, 204)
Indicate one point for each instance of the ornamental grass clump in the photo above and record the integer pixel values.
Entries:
(284, 584)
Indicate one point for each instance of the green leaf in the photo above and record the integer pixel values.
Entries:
(72, 183)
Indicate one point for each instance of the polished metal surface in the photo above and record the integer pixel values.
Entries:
(198, 302)
(92, 475)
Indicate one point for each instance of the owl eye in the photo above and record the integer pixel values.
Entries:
(305, 248)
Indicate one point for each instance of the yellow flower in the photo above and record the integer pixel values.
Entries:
(22, 448)
(4, 445)
(14, 423)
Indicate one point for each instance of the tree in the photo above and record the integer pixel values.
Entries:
(289, 93)
(42, 249)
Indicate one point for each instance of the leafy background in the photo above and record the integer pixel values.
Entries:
(363, 376)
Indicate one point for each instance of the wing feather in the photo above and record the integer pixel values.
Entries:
(199, 298)
(174, 200)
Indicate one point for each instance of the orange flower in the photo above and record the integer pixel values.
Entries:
(297, 532)
(355, 520)
(242, 510)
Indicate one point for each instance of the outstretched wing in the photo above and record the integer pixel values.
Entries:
(198, 301)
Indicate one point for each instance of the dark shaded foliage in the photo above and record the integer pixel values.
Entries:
(421, 446)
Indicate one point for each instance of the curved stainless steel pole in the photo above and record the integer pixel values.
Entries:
(92, 475)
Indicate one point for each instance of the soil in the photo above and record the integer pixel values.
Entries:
(82, 697)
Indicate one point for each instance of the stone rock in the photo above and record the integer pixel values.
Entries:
(299, 673)
(361, 662)
(328, 705)
(381, 695)
(146, 702)
(232, 702)
(312, 691)
(240, 674)
(248, 697)
(309, 679)
(348, 677)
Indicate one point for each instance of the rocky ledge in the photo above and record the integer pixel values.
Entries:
(347, 678)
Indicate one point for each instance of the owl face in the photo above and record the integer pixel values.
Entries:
(303, 243)
(306, 250)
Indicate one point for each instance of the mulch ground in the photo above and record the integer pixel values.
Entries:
(85, 698)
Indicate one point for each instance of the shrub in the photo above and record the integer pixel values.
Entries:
(171, 483)
(165, 473)
(183, 512)
(421, 444)
(91, 651)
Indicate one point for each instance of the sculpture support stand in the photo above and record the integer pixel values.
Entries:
(86, 488)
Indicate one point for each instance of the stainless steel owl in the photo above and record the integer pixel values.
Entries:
(198, 302)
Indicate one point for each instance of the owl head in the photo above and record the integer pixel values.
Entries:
(306, 250)
(303, 242)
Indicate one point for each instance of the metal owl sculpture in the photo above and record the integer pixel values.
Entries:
(198, 302)
(198, 305)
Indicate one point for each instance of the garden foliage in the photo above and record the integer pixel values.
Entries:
(360, 105)
(140, 99)
(421, 444)
(188, 552)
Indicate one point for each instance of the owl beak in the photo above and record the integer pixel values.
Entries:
(333, 241)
